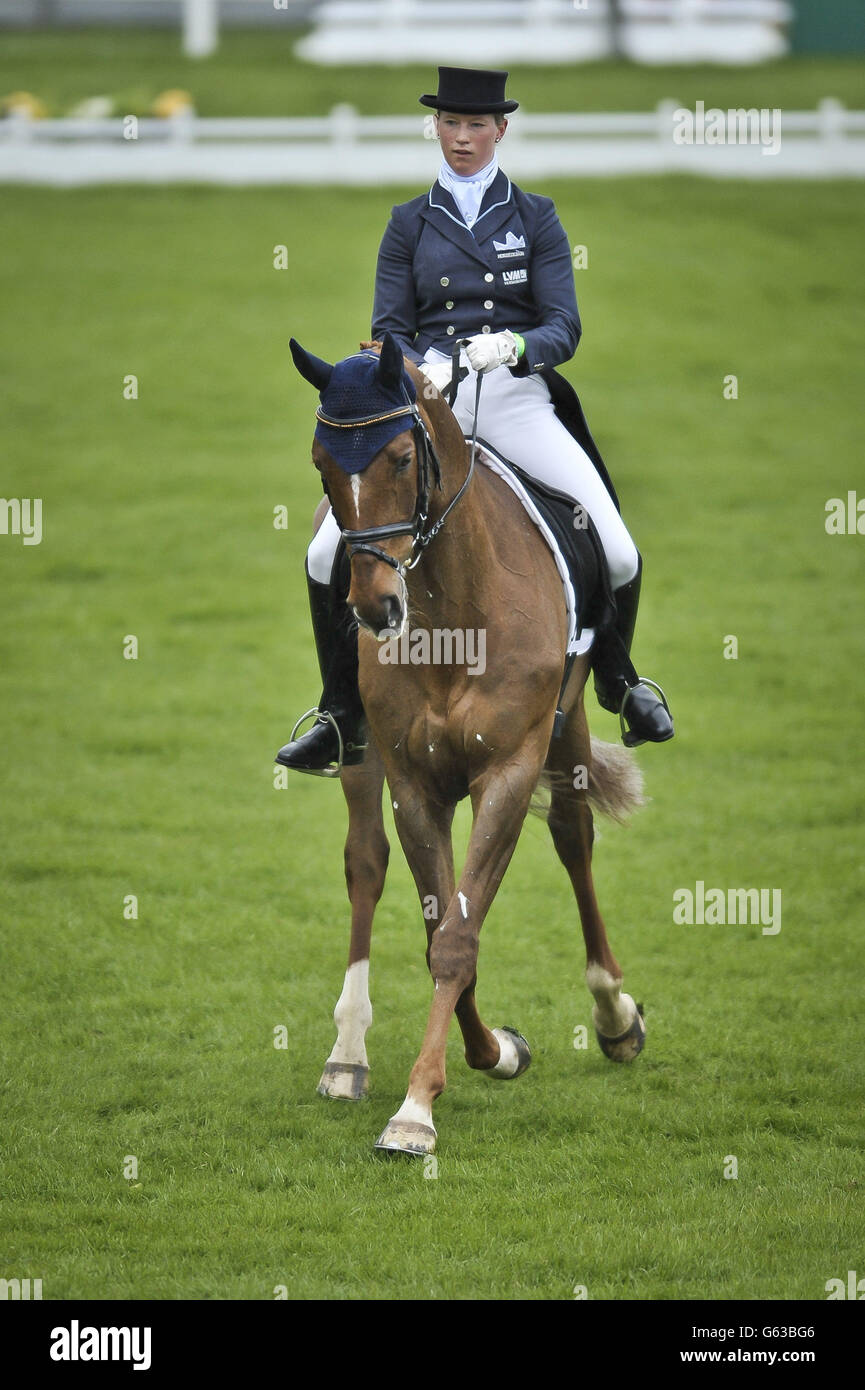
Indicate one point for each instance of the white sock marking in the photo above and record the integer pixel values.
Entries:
(415, 1112)
(509, 1058)
(352, 1016)
(614, 1012)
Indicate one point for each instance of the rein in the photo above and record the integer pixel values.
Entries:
(429, 473)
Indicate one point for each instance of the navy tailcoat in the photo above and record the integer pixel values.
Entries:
(437, 280)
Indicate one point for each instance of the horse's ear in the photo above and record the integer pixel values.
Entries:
(312, 368)
(390, 364)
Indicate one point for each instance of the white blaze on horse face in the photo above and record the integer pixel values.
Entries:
(352, 1016)
(355, 492)
(614, 1012)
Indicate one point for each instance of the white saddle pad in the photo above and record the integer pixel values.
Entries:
(576, 644)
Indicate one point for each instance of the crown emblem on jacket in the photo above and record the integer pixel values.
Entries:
(510, 243)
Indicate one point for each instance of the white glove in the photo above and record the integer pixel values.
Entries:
(439, 373)
(486, 351)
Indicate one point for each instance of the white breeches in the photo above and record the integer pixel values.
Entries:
(516, 417)
(322, 549)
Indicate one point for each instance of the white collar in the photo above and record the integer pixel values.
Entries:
(467, 190)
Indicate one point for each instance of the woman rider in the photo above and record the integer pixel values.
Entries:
(478, 258)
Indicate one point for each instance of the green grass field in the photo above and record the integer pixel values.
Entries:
(153, 1037)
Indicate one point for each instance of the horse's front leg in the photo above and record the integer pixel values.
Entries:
(425, 825)
(500, 800)
(346, 1072)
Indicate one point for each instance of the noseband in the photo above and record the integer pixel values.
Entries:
(429, 474)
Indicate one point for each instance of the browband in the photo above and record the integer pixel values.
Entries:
(363, 419)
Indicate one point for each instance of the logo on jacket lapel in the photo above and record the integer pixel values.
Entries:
(511, 246)
(515, 277)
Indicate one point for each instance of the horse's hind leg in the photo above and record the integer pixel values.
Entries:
(346, 1072)
(618, 1023)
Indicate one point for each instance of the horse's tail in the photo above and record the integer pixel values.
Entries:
(614, 784)
(615, 781)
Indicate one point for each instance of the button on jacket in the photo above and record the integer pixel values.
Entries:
(436, 280)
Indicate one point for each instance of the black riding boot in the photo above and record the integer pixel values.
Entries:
(617, 685)
(335, 630)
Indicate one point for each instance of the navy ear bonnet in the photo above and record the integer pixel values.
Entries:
(355, 392)
(366, 400)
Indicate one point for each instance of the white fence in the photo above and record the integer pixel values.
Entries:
(350, 149)
(163, 14)
(485, 33)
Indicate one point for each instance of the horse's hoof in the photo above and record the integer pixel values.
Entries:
(628, 1045)
(406, 1137)
(344, 1081)
(515, 1055)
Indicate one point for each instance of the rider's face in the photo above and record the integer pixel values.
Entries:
(468, 142)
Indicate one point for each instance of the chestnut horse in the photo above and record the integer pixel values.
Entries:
(440, 732)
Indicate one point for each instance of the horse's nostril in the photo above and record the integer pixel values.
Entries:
(384, 614)
(392, 611)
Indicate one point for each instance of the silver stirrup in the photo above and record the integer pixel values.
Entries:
(644, 680)
(323, 717)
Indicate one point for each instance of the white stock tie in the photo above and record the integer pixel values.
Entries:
(468, 190)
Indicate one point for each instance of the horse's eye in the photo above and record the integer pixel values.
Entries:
(403, 463)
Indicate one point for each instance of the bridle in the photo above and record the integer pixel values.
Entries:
(429, 475)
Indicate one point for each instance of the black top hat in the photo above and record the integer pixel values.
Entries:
(470, 92)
